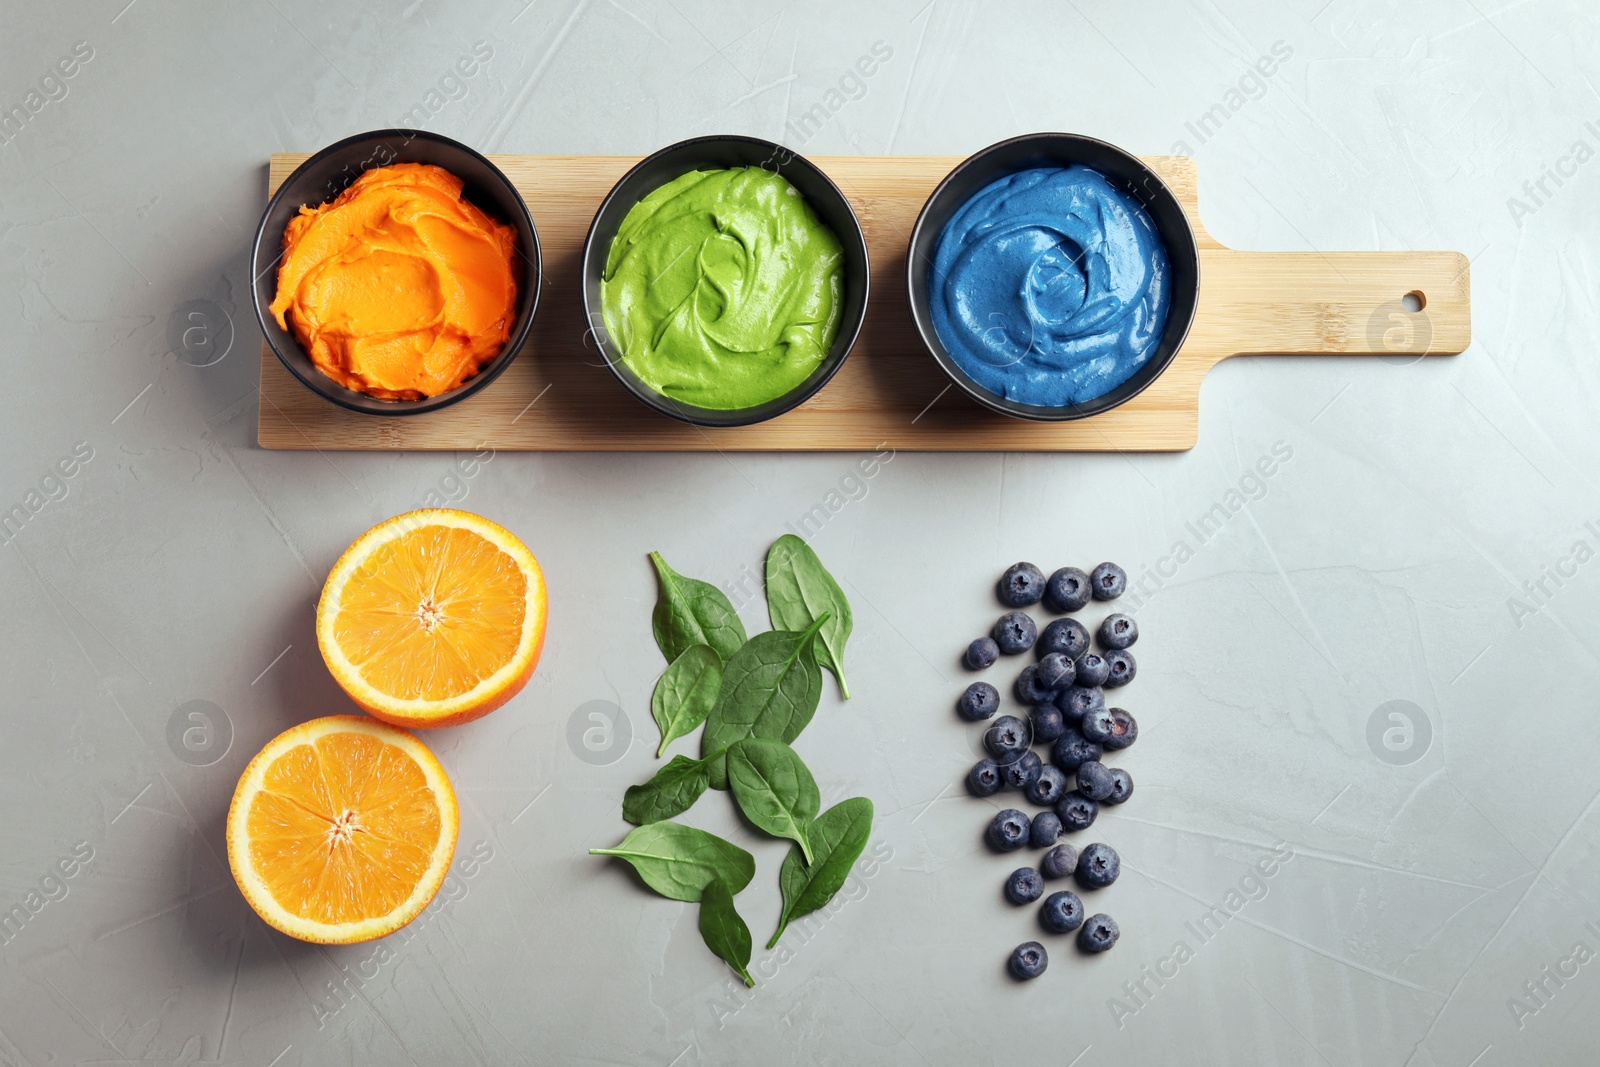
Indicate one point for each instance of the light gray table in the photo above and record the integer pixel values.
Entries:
(1382, 665)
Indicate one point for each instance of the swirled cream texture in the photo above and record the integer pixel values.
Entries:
(399, 288)
(723, 289)
(1050, 286)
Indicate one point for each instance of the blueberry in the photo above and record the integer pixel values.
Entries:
(1049, 787)
(1028, 690)
(1092, 671)
(1098, 866)
(1094, 780)
(1109, 581)
(1021, 585)
(1066, 636)
(982, 653)
(1048, 722)
(1077, 812)
(1045, 830)
(1024, 886)
(980, 701)
(1117, 631)
(1021, 769)
(1098, 933)
(1072, 750)
(1121, 785)
(1028, 960)
(1124, 731)
(1066, 591)
(1079, 700)
(1009, 831)
(1014, 632)
(984, 778)
(1123, 667)
(1061, 913)
(1099, 725)
(1005, 737)
(1056, 671)
(1059, 861)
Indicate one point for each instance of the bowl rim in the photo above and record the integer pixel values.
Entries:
(1146, 375)
(721, 418)
(354, 400)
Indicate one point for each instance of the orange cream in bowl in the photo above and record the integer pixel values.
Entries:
(398, 288)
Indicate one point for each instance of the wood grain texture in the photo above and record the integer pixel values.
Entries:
(558, 396)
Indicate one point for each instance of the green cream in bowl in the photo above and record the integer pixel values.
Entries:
(726, 295)
(723, 289)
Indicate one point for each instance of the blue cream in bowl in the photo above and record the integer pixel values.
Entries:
(1052, 277)
(1050, 286)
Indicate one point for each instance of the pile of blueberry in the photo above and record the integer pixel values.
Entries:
(1065, 690)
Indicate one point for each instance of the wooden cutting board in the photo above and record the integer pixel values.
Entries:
(558, 395)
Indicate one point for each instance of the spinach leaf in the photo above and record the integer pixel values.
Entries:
(799, 591)
(717, 769)
(774, 789)
(724, 932)
(679, 861)
(837, 837)
(691, 612)
(769, 689)
(671, 792)
(686, 693)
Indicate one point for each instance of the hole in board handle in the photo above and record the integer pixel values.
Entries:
(1414, 301)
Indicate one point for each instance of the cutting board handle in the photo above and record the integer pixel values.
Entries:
(1333, 303)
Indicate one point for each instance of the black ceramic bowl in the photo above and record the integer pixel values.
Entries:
(718, 152)
(1126, 172)
(326, 175)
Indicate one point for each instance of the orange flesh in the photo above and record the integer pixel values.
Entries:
(432, 613)
(398, 288)
(343, 828)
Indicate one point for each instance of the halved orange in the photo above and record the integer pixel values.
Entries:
(342, 830)
(433, 618)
